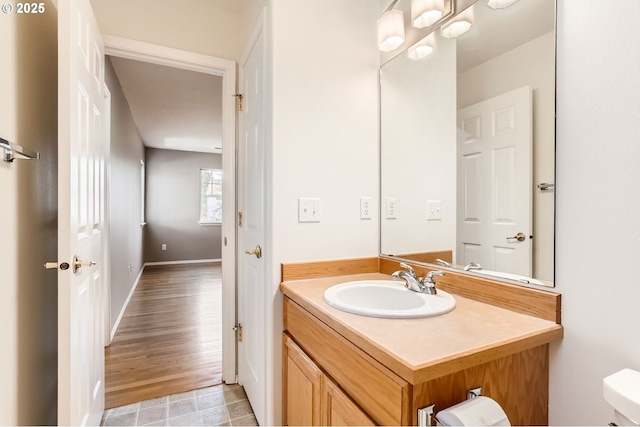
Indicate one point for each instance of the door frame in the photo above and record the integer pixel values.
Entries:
(162, 55)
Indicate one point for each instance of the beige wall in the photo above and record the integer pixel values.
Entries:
(173, 207)
(125, 153)
(28, 216)
(532, 64)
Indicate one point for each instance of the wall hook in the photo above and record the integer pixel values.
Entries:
(10, 149)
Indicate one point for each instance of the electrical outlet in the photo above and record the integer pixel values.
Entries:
(434, 210)
(164, 246)
(391, 208)
(366, 210)
(309, 210)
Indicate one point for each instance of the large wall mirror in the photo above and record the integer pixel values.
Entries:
(468, 146)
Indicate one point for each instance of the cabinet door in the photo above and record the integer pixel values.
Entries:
(340, 410)
(302, 386)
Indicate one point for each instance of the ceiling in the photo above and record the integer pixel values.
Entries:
(498, 31)
(173, 108)
(236, 6)
(494, 32)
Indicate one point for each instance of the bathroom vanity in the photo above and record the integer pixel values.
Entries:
(345, 369)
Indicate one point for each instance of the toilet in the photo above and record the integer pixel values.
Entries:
(622, 391)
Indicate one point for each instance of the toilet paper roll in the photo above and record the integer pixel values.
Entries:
(479, 411)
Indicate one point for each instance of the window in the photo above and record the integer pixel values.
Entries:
(210, 196)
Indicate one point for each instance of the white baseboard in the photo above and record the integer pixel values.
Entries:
(126, 304)
(188, 261)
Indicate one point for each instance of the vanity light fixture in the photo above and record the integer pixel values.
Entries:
(423, 48)
(390, 30)
(500, 4)
(460, 25)
(425, 13)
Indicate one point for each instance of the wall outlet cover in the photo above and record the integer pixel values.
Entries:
(366, 208)
(391, 204)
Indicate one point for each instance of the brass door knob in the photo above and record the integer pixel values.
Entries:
(257, 252)
(78, 263)
(520, 237)
(54, 265)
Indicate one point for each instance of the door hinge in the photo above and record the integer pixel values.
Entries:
(239, 219)
(238, 329)
(240, 103)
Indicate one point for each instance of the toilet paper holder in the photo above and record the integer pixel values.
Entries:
(427, 415)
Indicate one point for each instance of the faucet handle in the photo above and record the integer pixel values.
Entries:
(473, 266)
(443, 262)
(430, 279)
(409, 268)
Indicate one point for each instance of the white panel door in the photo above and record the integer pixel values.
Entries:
(251, 266)
(494, 183)
(81, 108)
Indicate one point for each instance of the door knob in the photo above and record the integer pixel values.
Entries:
(257, 252)
(78, 263)
(519, 237)
(54, 265)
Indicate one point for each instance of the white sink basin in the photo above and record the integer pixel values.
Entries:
(387, 298)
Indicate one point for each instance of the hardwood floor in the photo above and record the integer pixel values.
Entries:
(170, 338)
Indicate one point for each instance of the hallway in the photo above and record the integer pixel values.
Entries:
(170, 338)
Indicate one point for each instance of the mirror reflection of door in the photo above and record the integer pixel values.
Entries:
(494, 183)
(505, 49)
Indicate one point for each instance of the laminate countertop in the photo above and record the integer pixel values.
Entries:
(422, 349)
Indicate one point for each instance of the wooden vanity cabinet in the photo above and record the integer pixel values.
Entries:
(311, 397)
(339, 409)
(328, 380)
(302, 386)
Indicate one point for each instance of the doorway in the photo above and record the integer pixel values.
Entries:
(226, 70)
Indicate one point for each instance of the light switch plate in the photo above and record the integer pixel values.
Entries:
(309, 210)
(434, 210)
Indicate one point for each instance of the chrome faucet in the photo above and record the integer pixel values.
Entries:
(473, 266)
(413, 283)
(429, 282)
(425, 285)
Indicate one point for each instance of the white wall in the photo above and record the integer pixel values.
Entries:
(324, 141)
(325, 116)
(532, 64)
(28, 218)
(598, 205)
(418, 150)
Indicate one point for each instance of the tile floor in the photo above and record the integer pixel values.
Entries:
(221, 405)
